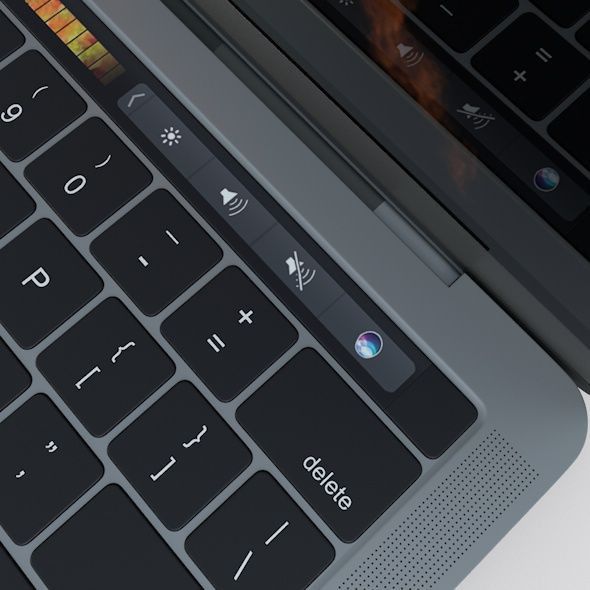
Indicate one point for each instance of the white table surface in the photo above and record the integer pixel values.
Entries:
(549, 549)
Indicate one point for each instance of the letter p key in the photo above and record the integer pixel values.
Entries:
(39, 278)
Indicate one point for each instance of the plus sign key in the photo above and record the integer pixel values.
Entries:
(533, 66)
(239, 333)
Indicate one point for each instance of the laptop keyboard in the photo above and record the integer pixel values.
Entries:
(44, 448)
(109, 544)
(462, 23)
(10, 575)
(15, 379)
(524, 80)
(31, 118)
(105, 366)
(101, 175)
(258, 546)
(565, 14)
(45, 280)
(165, 345)
(16, 207)
(10, 37)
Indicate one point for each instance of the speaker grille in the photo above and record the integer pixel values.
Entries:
(448, 522)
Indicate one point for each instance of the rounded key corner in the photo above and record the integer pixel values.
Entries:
(27, 382)
(468, 426)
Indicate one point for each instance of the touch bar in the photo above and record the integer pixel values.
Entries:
(369, 345)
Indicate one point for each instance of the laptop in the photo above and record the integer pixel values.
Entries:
(294, 294)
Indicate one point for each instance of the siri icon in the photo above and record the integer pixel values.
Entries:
(369, 345)
(547, 180)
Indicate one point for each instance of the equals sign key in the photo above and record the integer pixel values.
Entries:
(544, 55)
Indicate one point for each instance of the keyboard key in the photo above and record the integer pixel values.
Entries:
(15, 204)
(105, 366)
(229, 333)
(15, 379)
(232, 200)
(12, 578)
(44, 282)
(31, 91)
(10, 37)
(193, 458)
(563, 13)
(260, 538)
(432, 412)
(567, 129)
(44, 469)
(583, 36)
(533, 66)
(330, 446)
(88, 176)
(109, 544)
(156, 252)
(462, 23)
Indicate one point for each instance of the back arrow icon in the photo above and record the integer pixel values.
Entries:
(134, 98)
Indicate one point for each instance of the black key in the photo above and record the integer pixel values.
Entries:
(563, 13)
(109, 544)
(327, 442)
(45, 468)
(10, 37)
(192, 459)
(15, 379)
(12, 578)
(433, 413)
(88, 176)
(583, 36)
(15, 204)
(533, 66)
(156, 252)
(44, 282)
(260, 538)
(36, 103)
(229, 333)
(461, 23)
(105, 366)
(567, 129)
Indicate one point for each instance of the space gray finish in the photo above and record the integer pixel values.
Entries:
(529, 269)
(443, 526)
(519, 390)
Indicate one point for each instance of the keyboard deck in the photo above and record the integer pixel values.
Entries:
(167, 334)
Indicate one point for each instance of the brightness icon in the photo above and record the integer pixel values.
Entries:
(171, 136)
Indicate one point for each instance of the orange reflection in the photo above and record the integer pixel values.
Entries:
(396, 51)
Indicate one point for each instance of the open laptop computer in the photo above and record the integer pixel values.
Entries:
(294, 294)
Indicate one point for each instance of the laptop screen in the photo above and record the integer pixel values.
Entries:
(447, 58)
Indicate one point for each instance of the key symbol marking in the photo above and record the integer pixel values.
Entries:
(246, 317)
(51, 447)
(12, 113)
(197, 440)
(39, 278)
(164, 469)
(121, 350)
(216, 343)
(86, 377)
(39, 91)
